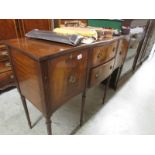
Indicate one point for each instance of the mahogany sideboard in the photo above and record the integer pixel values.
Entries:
(48, 74)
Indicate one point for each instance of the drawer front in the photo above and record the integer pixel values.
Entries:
(100, 73)
(5, 66)
(3, 55)
(103, 53)
(121, 53)
(6, 78)
(67, 76)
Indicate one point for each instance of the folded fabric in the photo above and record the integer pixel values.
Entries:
(86, 32)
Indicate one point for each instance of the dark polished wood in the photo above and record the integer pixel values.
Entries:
(67, 77)
(49, 74)
(8, 29)
(105, 88)
(26, 110)
(15, 28)
(27, 25)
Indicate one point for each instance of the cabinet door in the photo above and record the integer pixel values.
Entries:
(67, 75)
(27, 25)
(8, 29)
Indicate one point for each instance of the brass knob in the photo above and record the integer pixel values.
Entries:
(72, 79)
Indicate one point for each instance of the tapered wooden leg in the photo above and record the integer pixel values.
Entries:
(82, 108)
(105, 89)
(26, 111)
(48, 125)
(118, 76)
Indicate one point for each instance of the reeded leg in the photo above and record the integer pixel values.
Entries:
(82, 108)
(48, 125)
(105, 89)
(26, 111)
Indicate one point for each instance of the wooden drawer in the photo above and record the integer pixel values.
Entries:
(3, 55)
(67, 76)
(103, 53)
(5, 66)
(100, 73)
(121, 53)
(6, 78)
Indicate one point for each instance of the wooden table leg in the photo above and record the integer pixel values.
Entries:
(105, 89)
(26, 110)
(48, 125)
(117, 79)
(82, 108)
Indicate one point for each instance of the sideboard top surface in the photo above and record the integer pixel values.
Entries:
(42, 50)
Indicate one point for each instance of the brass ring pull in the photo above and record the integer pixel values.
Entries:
(72, 79)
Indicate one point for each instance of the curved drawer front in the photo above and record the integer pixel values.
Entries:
(103, 53)
(100, 73)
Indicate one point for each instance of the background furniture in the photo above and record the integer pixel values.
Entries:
(15, 28)
(49, 74)
(135, 54)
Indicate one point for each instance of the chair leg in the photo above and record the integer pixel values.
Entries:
(82, 108)
(105, 89)
(48, 125)
(26, 111)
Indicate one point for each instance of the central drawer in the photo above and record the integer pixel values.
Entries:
(100, 73)
(104, 53)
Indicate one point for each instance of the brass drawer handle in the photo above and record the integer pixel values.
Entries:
(7, 64)
(4, 53)
(12, 76)
(72, 79)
